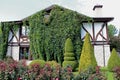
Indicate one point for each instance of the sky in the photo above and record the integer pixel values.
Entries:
(11, 10)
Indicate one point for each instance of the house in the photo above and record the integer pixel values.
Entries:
(18, 42)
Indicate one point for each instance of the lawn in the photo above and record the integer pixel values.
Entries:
(108, 74)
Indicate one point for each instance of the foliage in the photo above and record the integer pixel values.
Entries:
(114, 60)
(69, 59)
(87, 58)
(12, 70)
(68, 45)
(98, 75)
(50, 29)
(108, 74)
(112, 30)
(85, 74)
(90, 74)
(66, 73)
(41, 63)
(4, 33)
(52, 63)
(114, 43)
(116, 70)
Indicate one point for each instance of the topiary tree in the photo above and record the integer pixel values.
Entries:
(69, 59)
(87, 58)
(114, 60)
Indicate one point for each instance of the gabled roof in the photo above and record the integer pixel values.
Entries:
(103, 19)
(100, 19)
(48, 9)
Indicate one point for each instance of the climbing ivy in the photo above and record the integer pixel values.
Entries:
(50, 29)
(4, 34)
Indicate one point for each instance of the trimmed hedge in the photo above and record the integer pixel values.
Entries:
(69, 54)
(72, 64)
(53, 63)
(68, 45)
(41, 63)
(114, 60)
(69, 59)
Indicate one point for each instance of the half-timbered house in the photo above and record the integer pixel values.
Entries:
(18, 42)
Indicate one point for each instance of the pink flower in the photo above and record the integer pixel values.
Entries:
(57, 79)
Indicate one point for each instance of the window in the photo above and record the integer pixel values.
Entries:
(24, 52)
(24, 31)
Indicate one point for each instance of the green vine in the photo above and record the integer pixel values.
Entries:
(49, 30)
(4, 34)
(48, 34)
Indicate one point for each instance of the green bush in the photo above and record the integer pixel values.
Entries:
(117, 72)
(53, 63)
(114, 60)
(87, 58)
(69, 59)
(84, 75)
(72, 64)
(69, 54)
(68, 45)
(41, 63)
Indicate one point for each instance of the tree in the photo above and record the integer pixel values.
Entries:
(69, 59)
(87, 58)
(112, 30)
(115, 43)
(114, 60)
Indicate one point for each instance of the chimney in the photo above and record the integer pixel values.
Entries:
(97, 10)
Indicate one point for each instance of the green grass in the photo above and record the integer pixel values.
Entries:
(107, 73)
(110, 75)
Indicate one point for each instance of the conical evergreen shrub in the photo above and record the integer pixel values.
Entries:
(69, 59)
(114, 60)
(87, 58)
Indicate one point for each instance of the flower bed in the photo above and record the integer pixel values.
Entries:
(13, 70)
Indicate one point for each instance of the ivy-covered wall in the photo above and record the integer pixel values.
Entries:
(4, 34)
(49, 30)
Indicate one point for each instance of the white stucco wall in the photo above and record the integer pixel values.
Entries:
(108, 53)
(14, 49)
(88, 27)
(10, 36)
(102, 54)
(97, 27)
(17, 34)
(14, 38)
(15, 53)
(9, 51)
